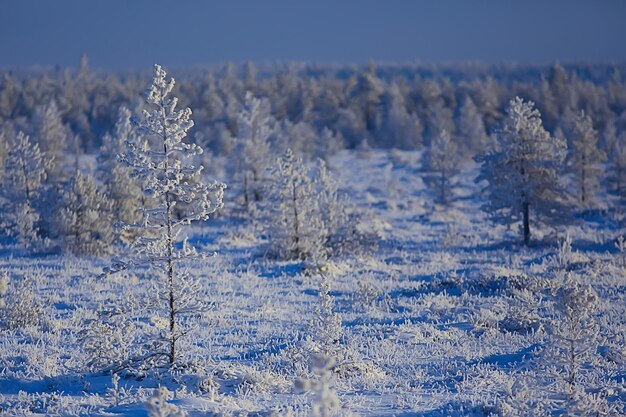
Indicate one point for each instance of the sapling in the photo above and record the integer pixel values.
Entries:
(160, 160)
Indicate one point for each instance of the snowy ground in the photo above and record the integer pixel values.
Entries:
(446, 314)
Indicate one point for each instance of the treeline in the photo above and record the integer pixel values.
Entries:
(62, 135)
(400, 106)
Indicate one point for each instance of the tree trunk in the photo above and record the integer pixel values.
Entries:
(443, 187)
(526, 209)
(170, 244)
(296, 222)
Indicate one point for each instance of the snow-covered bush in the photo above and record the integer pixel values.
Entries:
(18, 306)
(157, 405)
(326, 402)
(326, 325)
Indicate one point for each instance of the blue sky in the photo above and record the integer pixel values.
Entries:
(135, 34)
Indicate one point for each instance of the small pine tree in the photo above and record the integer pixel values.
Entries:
(255, 126)
(123, 190)
(326, 327)
(54, 140)
(585, 159)
(294, 223)
(522, 169)
(471, 128)
(338, 229)
(22, 185)
(85, 222)
(441, 161)
(574, 330)
(160, 162)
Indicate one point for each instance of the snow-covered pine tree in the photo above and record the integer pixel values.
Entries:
(471, 128)
(396, 126)
(252, 155)
(441, 161)
(54, 140)
(522, 169)
(326, 324)
(124, 191)
(115, 144)
(338, 229)
(160, 162)
(294, 226)
(585, 158)
(22, 185)
(328, 143)
(574, 330)
(85, 223)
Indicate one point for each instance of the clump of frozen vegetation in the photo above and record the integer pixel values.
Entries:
(326, 402)
(296, 229)
(18, 306)
(157, 405)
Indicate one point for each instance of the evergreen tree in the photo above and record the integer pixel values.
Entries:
(617, 166)
(471, 128)
(22, 186)
(124, 191)
(255, 127)
(397, 127)
(53, 139)
(522, 169)
(85, 224)
(585, 159)
(160, 162)
(441, 161)
(294, 223)
(337, 228)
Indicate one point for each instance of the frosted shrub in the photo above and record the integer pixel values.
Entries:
(326, 326)
(20, 308)
(326, 402)
(157, 405)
